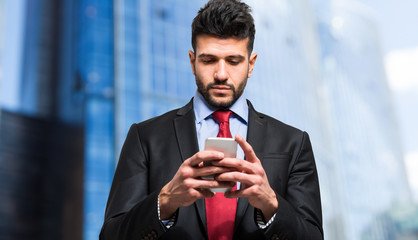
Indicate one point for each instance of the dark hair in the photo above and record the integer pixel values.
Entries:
(224, 19)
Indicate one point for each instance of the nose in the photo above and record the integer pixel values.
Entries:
(221, 74)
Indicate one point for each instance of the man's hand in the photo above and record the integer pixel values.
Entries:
(254, 182)
(187, 186)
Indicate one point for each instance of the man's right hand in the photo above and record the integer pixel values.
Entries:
(187, 186)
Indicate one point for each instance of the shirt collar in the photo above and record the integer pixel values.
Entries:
(202, 109)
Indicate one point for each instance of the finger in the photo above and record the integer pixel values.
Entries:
(235, 163)
(245, 179)
(195, 194)
(206, 193)
(233, 194)
(202, 156)
(205, 184)
(220, 184)
(210, 170)
(240, 193)
(246, 147)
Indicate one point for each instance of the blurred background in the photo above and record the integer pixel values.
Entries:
(75, 74)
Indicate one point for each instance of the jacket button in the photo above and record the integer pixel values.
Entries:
(154, 234)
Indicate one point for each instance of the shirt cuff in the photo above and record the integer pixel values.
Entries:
(167, 223)
(260, 219)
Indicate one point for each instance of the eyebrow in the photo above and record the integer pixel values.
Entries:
(203, 55)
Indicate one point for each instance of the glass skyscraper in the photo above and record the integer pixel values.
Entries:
(41, 122)
(368, 151)
(95, 70)
(286, 84)
(152, 71)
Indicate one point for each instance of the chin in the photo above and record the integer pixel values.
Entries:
(221, 103)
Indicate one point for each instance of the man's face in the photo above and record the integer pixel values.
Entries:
(221, 68)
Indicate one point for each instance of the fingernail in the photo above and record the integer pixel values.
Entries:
(220, 155)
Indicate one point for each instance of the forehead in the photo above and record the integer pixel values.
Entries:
(208, 44)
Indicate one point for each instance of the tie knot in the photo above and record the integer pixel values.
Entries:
(221, 116)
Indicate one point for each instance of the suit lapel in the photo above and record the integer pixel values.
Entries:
(255, 137)
(185, 130)
(186, 135)
(257, 127)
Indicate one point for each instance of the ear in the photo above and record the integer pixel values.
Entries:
(251, 63)
(192, 58)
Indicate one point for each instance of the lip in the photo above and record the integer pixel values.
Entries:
(221, 89)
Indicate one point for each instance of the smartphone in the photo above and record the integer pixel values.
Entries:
(226, 145)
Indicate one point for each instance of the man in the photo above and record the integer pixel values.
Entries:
(158, 191)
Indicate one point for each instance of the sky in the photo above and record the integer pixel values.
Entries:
(11, 55)
(396, 23)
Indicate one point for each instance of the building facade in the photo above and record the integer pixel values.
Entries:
(368, 151)
(41, 132)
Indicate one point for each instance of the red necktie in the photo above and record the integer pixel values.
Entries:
(220, 211)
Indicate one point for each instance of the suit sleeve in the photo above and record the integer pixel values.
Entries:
(131, 212)
(299, 212)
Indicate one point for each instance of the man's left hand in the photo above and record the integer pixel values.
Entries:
(254, 183)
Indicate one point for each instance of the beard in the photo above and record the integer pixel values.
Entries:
(204, 90)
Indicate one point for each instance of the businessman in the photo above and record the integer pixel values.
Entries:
(158, 191)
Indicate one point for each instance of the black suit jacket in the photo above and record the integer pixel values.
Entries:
(155, 149)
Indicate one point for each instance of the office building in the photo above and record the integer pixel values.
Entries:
(368, 152)
(41, 136)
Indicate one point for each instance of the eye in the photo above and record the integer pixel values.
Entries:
(207, 60)
(233, 62)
